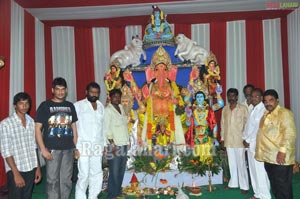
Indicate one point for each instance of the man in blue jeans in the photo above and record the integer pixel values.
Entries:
(116, 130)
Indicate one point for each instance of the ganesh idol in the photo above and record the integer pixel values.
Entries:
(160, 95)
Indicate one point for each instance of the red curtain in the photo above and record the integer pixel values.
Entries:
(2, 172)
(172, 18)
(183, 28)
(5, 18)
(116, 38)
(285, 62)
(5, 52)
(29, 59)
(143, 31)
(84, 58)
(255, 53)
(48, 61)
(218, 47)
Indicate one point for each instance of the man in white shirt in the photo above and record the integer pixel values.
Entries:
(259, 178)
(247, 90)
(116, 131)
(90, 143)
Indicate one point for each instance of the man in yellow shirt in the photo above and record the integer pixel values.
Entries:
(276, 145)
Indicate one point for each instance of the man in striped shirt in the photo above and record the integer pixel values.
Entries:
(18, 147)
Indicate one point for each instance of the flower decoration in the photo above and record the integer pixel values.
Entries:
(192, 164)
(153, 162)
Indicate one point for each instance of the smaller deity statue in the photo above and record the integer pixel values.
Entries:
(203, 126)
(158, 29)
(127, 100)
(163, 135)
(112, 78)
(212, 74)
(201, 119)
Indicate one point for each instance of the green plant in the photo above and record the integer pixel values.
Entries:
(192, 164)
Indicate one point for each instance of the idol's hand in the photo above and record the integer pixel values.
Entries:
(188, 111)
(194, 73)
(128, 76)
(219, 89)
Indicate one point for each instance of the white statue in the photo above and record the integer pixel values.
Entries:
(181, 194)
(188, 50)
(131, 54)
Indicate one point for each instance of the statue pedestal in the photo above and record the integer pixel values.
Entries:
(173, 177)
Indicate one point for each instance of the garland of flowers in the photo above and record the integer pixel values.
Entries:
(171, 117)
(114, 80)
(109, 88)
(177, 93)
(199, 122)
(149, 121)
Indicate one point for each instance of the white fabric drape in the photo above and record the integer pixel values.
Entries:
(101, 57)
(131, 31)
(63, 55)
(236, 68)
(40, 62)
(200, 34)
(16, 52)
(293, 20)
(172, 26)
(273, 57)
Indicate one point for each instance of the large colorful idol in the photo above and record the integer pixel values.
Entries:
(160, 124)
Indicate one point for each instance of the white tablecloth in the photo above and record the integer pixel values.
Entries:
(173, 177)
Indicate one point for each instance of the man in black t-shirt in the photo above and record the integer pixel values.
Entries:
(56, 135)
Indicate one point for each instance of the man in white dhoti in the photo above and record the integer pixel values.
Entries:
(259, 178)
(90, 144)
(234, 117)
